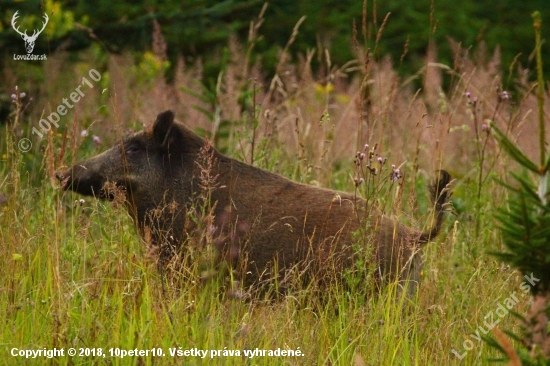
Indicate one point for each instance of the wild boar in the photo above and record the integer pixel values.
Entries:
(268, 224)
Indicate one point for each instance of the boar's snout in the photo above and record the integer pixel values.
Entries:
(63, 177)
(81, 180)
(59, 175)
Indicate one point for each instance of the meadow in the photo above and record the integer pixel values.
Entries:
(74, 272)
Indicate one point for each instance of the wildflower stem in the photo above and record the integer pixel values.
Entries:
(254, 124)
(537, 24)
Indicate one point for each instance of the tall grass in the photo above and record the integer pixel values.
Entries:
(76, 274)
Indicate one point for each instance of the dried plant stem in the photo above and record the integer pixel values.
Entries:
(540, 81)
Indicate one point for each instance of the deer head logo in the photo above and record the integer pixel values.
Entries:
(29, 40)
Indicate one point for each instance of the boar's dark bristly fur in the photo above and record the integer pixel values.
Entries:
(268, 220)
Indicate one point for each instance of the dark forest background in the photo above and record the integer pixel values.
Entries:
(202, 31)
(201, 28)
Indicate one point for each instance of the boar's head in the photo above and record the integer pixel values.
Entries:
(145, 165)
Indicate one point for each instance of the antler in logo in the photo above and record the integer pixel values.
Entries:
(29, 40)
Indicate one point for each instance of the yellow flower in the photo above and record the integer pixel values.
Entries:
(342, 98)
(324, 89)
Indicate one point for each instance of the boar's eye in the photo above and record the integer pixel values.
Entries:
(132, 149)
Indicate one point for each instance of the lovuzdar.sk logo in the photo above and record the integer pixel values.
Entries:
(29, 40)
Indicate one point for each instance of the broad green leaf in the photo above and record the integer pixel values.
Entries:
(512, 149)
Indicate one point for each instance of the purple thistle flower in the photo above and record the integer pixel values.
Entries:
(13, 96)
(96, 139)
(212, 229)
(395, 175)
(22, 95)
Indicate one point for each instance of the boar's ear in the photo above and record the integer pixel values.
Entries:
(165, 133)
